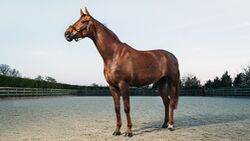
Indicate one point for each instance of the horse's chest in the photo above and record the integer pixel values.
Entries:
(113, 74)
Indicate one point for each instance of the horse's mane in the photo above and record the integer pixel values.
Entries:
(107, 29)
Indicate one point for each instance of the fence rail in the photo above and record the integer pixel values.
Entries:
(217, 92)
(228, 92)
(10, 91)
(106, 92)
(183, 92)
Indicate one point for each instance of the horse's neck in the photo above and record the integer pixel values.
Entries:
(106, 41)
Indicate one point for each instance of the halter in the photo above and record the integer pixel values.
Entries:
(81, 29)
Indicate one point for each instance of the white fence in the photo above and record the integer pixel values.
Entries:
(216, 92)
(227, 92)
(10, 91)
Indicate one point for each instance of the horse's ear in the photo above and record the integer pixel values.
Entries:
(87, 12)
(81, 12)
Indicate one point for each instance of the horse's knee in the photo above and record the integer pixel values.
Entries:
(127, 109)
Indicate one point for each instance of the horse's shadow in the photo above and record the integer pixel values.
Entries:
(191, 121)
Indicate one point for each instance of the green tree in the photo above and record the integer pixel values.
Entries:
(239, 80)
(50, 79)
(208, 84)
(190, 81)
(39, 77)
(247, 76)
(4, 69)
(243, 79)
(94, 85)
(14, 73)
(226, 80)
(216, 83)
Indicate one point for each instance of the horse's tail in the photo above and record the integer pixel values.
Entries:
(177, 90)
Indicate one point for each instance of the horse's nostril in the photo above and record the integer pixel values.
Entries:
(67, 34)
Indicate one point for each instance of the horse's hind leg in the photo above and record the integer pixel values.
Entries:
(163, 92)
(171, 108)
(174, 95)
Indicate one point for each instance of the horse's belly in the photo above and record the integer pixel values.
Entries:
(140, 83)
(147, 79)
(134, 75)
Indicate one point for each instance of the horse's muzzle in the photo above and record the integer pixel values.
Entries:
(68, 36)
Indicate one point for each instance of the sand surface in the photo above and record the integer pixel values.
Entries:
(93, 118)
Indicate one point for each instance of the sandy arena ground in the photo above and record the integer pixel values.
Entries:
(93, 118)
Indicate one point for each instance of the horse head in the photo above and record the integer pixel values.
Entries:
(81, 28)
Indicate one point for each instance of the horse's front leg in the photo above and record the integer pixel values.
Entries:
(116, 97)
(124, 89)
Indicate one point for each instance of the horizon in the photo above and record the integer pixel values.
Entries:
(208, 38)
(185, 76)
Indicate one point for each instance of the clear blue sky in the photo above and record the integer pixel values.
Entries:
(208, 37)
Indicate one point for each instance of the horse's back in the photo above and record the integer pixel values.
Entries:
(170, 58)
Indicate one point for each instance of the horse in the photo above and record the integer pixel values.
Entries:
(126, 67)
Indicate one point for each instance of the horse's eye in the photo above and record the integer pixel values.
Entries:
(83, 22)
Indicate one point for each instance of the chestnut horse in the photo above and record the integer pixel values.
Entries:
(125, 66)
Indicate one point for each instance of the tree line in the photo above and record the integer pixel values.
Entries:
(12, 78)
(242, 79)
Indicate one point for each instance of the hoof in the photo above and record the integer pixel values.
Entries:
(117, 133)
(164, 126)
(171, 127)
(128, 134)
